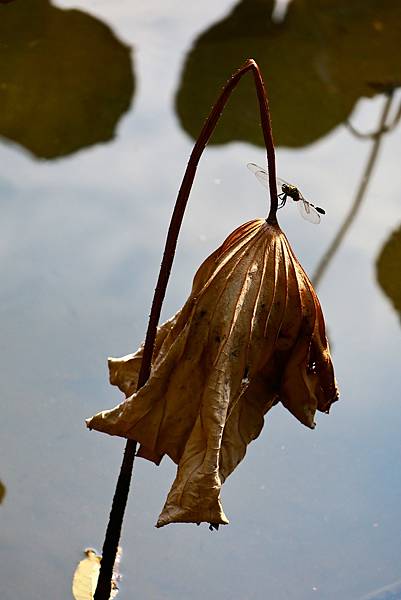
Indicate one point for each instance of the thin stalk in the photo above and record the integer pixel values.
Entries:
(113, 531)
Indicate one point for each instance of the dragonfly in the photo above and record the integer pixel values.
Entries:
(308, 211)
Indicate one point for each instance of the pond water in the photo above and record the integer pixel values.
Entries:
(99, 103)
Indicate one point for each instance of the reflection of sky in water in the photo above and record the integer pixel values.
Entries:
(81, 242)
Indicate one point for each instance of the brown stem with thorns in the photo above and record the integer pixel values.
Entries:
(122, 489)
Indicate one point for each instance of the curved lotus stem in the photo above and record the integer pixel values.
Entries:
(186, 185)
(122, 489)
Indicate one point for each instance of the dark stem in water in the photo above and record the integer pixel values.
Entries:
(113, 531)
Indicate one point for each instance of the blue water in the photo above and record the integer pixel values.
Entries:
(313, 514)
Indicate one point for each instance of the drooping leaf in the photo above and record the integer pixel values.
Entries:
(250, 335)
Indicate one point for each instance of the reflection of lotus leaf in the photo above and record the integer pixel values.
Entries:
(65, 79)
(388, 269)
(317, 64)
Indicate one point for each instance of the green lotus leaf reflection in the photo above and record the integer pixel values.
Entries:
(388, 269)
(324, 57)
(2, 491)
(65, 79)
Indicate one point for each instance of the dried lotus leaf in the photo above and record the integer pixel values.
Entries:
(251, 334)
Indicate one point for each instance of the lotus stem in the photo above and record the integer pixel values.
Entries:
(113, 531)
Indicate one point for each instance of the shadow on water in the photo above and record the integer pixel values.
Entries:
(319, 61)
(65, 80)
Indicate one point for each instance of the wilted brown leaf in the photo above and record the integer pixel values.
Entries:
(250, 335)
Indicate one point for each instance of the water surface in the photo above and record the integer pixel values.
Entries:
(313, 513)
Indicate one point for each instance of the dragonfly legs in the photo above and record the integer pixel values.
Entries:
(283, 199)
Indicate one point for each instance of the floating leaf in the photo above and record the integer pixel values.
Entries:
(324, 57)
(388, 269)
(66, 79)
(2, 491)
(250, 335)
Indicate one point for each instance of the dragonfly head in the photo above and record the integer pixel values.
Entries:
(290, 190)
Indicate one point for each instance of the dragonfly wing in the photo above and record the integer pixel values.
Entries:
(308, 212)
(260, 174)
(263, 177)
